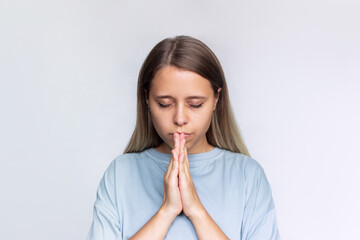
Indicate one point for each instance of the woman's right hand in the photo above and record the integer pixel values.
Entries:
(172, 200)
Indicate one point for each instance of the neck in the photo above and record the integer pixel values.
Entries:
(205, 147)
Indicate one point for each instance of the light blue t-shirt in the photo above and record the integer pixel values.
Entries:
(232, 187)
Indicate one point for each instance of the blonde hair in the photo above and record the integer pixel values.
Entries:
(189, 54)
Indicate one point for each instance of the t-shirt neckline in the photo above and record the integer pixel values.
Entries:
(194, 159)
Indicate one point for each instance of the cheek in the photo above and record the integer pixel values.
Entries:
(203, 120)
(160, 122)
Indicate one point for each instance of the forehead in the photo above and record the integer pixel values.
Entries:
(173, 81)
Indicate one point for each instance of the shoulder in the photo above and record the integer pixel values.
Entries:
(245, 167)
(245, 162)
(125, 162)
(128, 157)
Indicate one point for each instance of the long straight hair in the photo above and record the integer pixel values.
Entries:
(189, 54)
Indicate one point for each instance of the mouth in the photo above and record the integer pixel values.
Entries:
(186, 135)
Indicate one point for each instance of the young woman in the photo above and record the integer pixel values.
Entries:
(186, 172)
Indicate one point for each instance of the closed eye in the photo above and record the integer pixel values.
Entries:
(163, 105)
(196, 106)
(191, 105)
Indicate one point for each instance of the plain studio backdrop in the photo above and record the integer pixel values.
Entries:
(68, 73)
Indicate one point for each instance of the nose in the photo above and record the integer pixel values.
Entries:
(180, 116)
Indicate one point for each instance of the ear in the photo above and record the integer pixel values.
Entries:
(217, 95)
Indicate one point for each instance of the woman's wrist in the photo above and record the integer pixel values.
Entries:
(167, 213)
(197, 213)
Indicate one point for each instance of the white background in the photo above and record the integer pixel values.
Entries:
(68, 73)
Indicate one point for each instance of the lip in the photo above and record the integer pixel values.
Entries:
(186, 135)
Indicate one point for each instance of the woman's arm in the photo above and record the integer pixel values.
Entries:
(259, 217)
(159, 224)
(205, 226)
(156, 227)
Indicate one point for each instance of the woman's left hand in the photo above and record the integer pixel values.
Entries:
(190, 200)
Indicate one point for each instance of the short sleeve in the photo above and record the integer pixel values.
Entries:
(106, 223)
(259, 220)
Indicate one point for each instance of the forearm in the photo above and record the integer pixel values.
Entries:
(206, 227)
(156, 227)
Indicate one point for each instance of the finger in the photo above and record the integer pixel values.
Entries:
(176, 142)
(170, 166)
(186, 158)
(182, 142)
(175, 162)
(185, 170)
(184, 165)
(174, 158)
(181, 167)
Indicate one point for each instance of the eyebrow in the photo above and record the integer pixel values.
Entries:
(190, 97)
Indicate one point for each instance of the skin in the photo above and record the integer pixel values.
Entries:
(181, 104)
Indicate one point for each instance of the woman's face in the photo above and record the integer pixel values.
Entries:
(181, 101)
